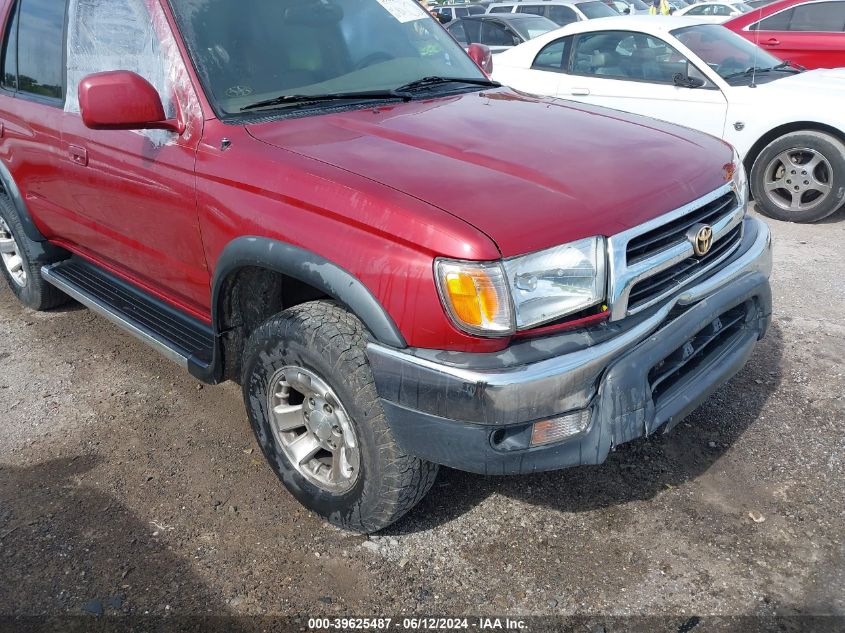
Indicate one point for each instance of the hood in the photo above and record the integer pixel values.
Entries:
(827, 84)
(530, 173)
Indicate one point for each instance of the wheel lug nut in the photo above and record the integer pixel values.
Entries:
(788, 181)
(327, 408)
(312, 403)
(806, 182)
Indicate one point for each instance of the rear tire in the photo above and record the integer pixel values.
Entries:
(21, 260)
(800, 177)
(311, 399)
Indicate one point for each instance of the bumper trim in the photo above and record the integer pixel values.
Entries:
(529, 391)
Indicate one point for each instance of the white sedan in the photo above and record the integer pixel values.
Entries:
(788, 124)
(717, 12)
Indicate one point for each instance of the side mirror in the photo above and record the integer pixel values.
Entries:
(688, 82)
(626, 11)
(122, 100)
(481, 55)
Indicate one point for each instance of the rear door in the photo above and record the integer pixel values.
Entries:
(32, 96)
(634, 72)
(812, 35)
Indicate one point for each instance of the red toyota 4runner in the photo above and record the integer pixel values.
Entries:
(403, 263)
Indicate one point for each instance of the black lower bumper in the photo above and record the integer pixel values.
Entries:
(654, 382)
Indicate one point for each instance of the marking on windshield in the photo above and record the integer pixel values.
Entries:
(403, 10)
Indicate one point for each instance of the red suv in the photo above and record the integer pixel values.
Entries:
(810, 34)
(250, 193)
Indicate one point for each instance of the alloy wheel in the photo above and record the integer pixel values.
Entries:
(10, 253)
(312, 428)
(798, 179)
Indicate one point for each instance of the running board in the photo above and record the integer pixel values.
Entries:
(177, 336)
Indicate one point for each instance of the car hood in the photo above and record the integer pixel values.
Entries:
(826, 84)
(528, 172)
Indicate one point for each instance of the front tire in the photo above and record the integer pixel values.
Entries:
(312, 402)
(21, 260)
(800, 177)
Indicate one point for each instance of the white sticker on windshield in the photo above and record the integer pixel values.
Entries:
(403, 10)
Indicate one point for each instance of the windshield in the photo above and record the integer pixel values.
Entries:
(724, 51)
(312, 47)
(534, 26)
(639, 5)
(596, 10)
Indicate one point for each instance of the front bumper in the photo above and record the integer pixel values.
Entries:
(475, 412)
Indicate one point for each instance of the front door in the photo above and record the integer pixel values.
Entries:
(133, 191)
(811, 35)
(635, 72)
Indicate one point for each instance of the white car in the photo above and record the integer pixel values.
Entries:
(717, 12)
(788, 125)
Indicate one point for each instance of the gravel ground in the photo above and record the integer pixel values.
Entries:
(126, 487)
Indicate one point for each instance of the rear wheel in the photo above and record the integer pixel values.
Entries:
(311, 398)
(21, 260)
(800, 177)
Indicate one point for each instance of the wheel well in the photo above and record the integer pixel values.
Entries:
(248, 297)
(777, 132)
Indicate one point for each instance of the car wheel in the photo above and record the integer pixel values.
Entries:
(800, 177)
(312, 402)
(21, 260)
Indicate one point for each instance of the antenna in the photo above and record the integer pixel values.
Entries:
(756, 48)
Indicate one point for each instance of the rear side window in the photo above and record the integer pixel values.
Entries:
(562, 15)
(777, 22)
(553, 56)
(819, 17)
(501, 10)
(533, 9)
(40, 48)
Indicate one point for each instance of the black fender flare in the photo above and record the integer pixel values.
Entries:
(11, 189)
(311, 269)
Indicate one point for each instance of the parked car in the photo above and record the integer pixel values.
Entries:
(561, 12)
(499, 32)
(451, 12)
(629, 7)
(708, 78)
(261, 209)
(811, 34)
(714, 11)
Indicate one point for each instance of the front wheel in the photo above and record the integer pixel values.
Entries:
(800, 177)
(312, 402)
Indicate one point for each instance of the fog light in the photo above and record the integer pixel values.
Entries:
(560, 428)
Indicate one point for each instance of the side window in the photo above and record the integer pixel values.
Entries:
(720, 9)
(553, 56)
(41, 26)
(621, 55)
(819, 17)
(562, 15)
(533, 9)
(10, 52)
(494, 34)
(115, 35)
(698, 11)
(459, 33)
(461, 12)
(777, 22)
(501, 10)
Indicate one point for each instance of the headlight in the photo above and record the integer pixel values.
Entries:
(498, 298)
(476, 296)
(556, 282)
(739, 180)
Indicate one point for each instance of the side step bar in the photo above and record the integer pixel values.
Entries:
(177, 336)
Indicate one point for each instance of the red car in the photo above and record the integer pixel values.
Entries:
(250, 193)
(809, 34)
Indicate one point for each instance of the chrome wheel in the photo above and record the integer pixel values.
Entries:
(11, 255)
(313, 429)
(798, 179)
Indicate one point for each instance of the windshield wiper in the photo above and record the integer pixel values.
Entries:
(747, 71)
(787, 65)
(425, 82)
(370, 95)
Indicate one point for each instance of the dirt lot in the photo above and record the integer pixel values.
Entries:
(126, 487)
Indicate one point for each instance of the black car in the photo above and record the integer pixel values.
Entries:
(499, 31)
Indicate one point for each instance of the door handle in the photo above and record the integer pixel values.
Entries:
(78, 155)
(580, 92)
(772, 41)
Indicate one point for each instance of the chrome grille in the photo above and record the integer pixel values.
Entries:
(654, 260)
(675, 231)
